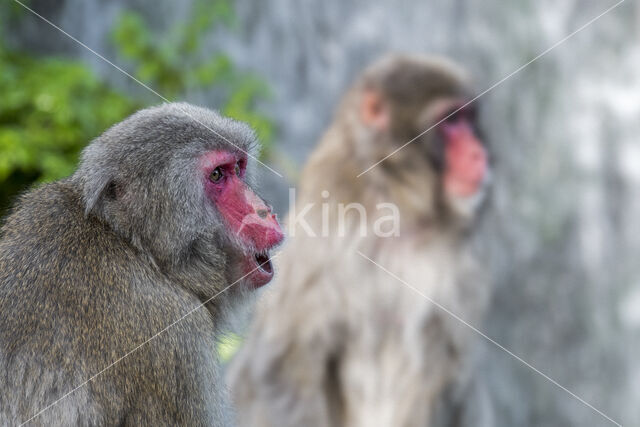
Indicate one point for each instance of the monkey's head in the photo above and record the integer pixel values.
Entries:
(424, 100)
(174, 180)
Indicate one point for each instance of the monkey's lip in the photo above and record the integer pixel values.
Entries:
(260, 269)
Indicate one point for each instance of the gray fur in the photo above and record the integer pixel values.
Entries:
(94, 265)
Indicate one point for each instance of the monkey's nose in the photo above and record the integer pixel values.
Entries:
(479, 155)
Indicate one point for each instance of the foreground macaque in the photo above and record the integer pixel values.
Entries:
(103, 275)
(338, 341)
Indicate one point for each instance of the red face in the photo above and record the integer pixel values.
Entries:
(465, 156)
(245, 214)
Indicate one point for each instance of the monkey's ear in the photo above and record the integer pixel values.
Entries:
(374, 111)
(101, 187)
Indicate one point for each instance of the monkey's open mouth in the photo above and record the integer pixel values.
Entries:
(264, 262)
(258, 269)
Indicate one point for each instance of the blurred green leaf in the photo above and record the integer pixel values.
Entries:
(50, 109)
(247, 91)
(228, 346)
(178, 64)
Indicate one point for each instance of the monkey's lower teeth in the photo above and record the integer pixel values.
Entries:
(264, 263)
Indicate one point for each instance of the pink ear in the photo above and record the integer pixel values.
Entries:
(374, 111)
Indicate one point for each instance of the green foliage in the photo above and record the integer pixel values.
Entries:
(227, 346)
(177, 65)
(49, 110)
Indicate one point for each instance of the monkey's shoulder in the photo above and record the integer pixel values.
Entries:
(54, 257)
(48, 229)
(49, 207)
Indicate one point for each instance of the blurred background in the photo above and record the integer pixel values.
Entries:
(561, 236)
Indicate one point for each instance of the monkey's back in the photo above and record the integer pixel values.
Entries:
(74, 299)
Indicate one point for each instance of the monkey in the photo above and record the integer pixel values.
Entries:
(116, 281)
(336, 340)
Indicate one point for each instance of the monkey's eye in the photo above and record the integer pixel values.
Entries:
(237, 169)
(453, 117)
(216, 175)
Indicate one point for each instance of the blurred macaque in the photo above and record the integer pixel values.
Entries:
(338, 341)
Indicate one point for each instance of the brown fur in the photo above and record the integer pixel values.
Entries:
(337, 341)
